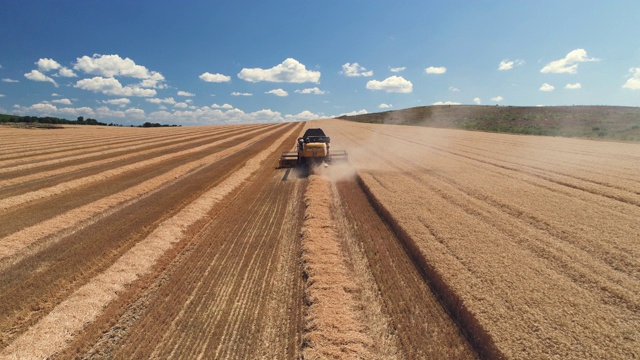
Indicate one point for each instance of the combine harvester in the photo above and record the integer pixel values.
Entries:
(313, 149)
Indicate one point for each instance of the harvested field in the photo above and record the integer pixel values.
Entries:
(430, 243)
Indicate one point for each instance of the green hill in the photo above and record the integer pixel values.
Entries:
(605, 122)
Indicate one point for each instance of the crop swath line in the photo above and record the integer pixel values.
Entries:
(111, 151)
(217, 254)
(78, 183)
(114, 235)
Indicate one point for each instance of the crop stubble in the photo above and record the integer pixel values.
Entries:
(532, 239)
(529, 243)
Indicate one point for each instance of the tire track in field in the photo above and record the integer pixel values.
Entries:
(71, 262)
(423, 327)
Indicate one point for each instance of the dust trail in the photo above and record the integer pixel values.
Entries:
(57, 329)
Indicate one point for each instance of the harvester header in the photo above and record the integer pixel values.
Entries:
(313, 147)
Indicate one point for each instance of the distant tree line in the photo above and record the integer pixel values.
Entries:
(53, 120)
(148, 124)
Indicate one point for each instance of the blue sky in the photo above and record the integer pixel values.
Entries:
(214, 62)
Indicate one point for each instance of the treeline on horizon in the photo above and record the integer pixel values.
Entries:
(58, 121)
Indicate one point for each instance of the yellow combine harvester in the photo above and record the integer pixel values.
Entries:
(313, 147)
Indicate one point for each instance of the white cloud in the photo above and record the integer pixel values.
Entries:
(497, 98)
(111, 86)
(289, 71)
(355, 69)
(120, 102)
(7, 80)
(313, 90)
(112, 65)
(302, 116)
(223, 106)
(181, 105)
(569, 64)
(573, 86)
(134, 113)
(352, 113)
(446, 103)
(277, 92)
(36, 75)
(385, 106)
(391, 84)
(547, 87)
(398, 69)
(62, 101)
(477, 101)
(66, 72)
(507, 64)
(185, 93)
(453, 89)
(435, 70)
(168, 100)
(216, 78)
(2, 95)
(235, 93)
(47, 65)
(55, 94)
(634, 82)
(154, 80)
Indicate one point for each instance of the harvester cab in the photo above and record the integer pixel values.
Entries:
(313, 147)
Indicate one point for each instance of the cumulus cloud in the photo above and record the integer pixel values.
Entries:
(385, 106)
(391, 84)
(110, 66)
(435, 70)
(573, 86)
(223, 106)
(547, 87)
(568, 64)
(7, 80)
(453, 89)
(181, 105)
(477, 101)
(215, 78)
(398, 69)
(634, 81)
(313, 90)
(507, 64)
(168, 100)
(352, 113)
(45, 65)
(185, 93)
(355, 69)
(119, 102)
(111, 86)
(36, 75)
(446, 103)
(277, 92)
(302, 116)
(235, 93)
(290, 70)
(66, 72)
(497, 98)
(2, 95)
(62, 101)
